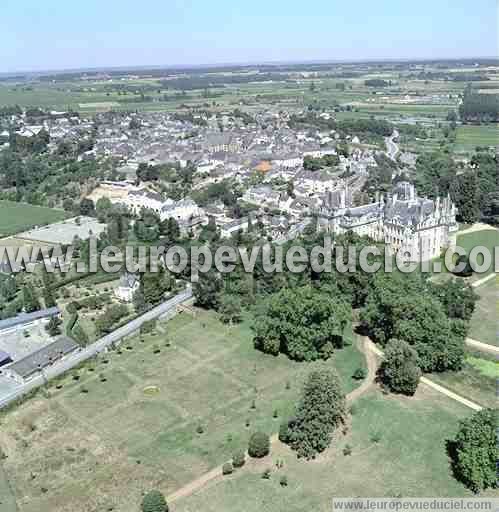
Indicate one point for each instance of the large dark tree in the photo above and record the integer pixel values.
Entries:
(475, 450)
(321, 409)
(302, 323)
(400, 370)
(154, 501)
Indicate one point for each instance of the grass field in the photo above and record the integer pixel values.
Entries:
(469, 137)
(7, 499)
(483, 326)
(410, 460)
(488, 238)
(476, 381)
(17, 217)
(82, 445)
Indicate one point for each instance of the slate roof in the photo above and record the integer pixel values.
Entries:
(43, 357)
(24, 318)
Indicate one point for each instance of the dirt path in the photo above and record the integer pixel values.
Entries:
(479, 226)
(484, 347)
(365, 346)
(434, 385)
(483, 280)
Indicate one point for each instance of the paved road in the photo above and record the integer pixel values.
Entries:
(99, 346)
(392, 148)
(484, 347)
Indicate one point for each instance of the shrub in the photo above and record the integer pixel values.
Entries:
(266, 474)
(399, 369)
(259, 445)
(283, 481)
(200, 429)
(238, 459)
(375, 437)
(360, 374)
(275, 414)
(347, 450)
(227, 468)
(154, 501)
(284, 432)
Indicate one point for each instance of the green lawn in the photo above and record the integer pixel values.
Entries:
(7, 500)
(17, 217)
(206, 375)
(410, 460)
(469, 137)
(476, 381)
(488, 238)
(483, 325)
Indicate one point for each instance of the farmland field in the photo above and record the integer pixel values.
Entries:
(469, 137)
(409, 459)
(162, 419)
(17, 217)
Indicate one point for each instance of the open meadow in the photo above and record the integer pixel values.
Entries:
(483, 325)
(17, 217)
(159, 412)
(398, 448)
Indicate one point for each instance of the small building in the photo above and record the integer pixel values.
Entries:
(28, 367)
(24, 320)
(128, 285)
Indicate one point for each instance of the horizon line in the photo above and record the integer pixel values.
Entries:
(139, 67)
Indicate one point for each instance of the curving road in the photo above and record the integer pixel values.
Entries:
(391, 146)
(96, 348)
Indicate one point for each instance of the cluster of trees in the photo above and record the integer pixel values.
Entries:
(481, 108)
(473, 188)
(110, 317)
(28, 173)
(314, 164)
(152, 289)
(16, 296)
(320, 411)
(432, 319)
(305, 315)
(370, 128)
(302, 323)
(379, 178)
(377, 82)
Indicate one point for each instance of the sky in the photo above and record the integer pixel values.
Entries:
(71, 34)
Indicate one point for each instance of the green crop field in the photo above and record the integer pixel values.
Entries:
(17, 217)
(409, 459)
(469, 137)
(143, 424)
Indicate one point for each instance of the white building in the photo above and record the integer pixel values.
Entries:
(128, 285)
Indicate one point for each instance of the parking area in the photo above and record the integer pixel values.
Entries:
(21, 341)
